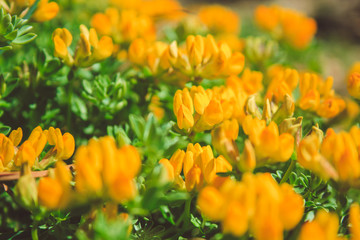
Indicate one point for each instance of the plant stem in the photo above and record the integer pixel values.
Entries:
(34, 231)
(187, 213)
(70, 78)
(288, 171)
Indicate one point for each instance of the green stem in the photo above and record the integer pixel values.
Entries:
(34, 231)
(288, 171)
(187, 213)
(70, 78)
(31, 10)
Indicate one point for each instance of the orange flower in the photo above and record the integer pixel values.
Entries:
(45, 11)
(219, 19)
(289, 25)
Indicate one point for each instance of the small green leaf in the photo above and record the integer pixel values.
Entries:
(87, 86)
(5, 130)
(12, 35)
(137, 125)
(24, 29)
(52, 66)
(25, 38)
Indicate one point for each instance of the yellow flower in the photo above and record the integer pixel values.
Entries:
(219, 19)
(282, 83)
(6, 151)
(201, 57)
(256, 204)
(183, 109)
(317, 95)
(341, 151)
(62, 39)
(353, 85)
(223, 139)
(354, 220)
(54, 192)
(268, 143)
(45, 11)
(38, 139)
(198, 166)
(169, 169)
(64, 144)
(286, 24)
(105, 170)
(158, 9)
(211, 203)
(25, 154)
(16, 136)
(124, 26)
(291, 202)
(156, 108)
(194, 178)
(90, 49)
(323, 227)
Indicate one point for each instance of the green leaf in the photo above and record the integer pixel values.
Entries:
(5, 130)
(12, 35)
(79, 108)
(24, 29)
(87, 86)
(25, 38)
(137, 124)
(52, 66)
(5, 48)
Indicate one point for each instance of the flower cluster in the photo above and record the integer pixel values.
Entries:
(201, 57)
(212, 106)
(14, 156)
(353, 80)
(269, 145)
(317, 95)
(198, 165)
(336, 156)
(45, 10)
(124, 26)
(256, 204)
(102, 170)
(90, 49)
(289, 25)
(157, 9)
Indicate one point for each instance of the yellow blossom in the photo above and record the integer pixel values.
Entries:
(268, 143)
(6, 150)
(90, 49)
(45, 11)
(64, 144)
(286, 24)
(123, 26)
(16, 136)
(323, 227)
(353, 85)
(200, 57)
(256, 204)
(219, 19)
(53, 192)
(354, 220)
(105, 170)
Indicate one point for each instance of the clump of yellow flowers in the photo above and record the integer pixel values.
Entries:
(257, 204)
(102, 171)
(335, 156)
(90, 49)
(286, 24)
(201, 57)
(13, 156)
(198, 165)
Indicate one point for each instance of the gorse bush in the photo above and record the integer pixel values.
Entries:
(151, 120)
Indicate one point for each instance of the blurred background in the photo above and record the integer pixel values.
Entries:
(338, 29)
